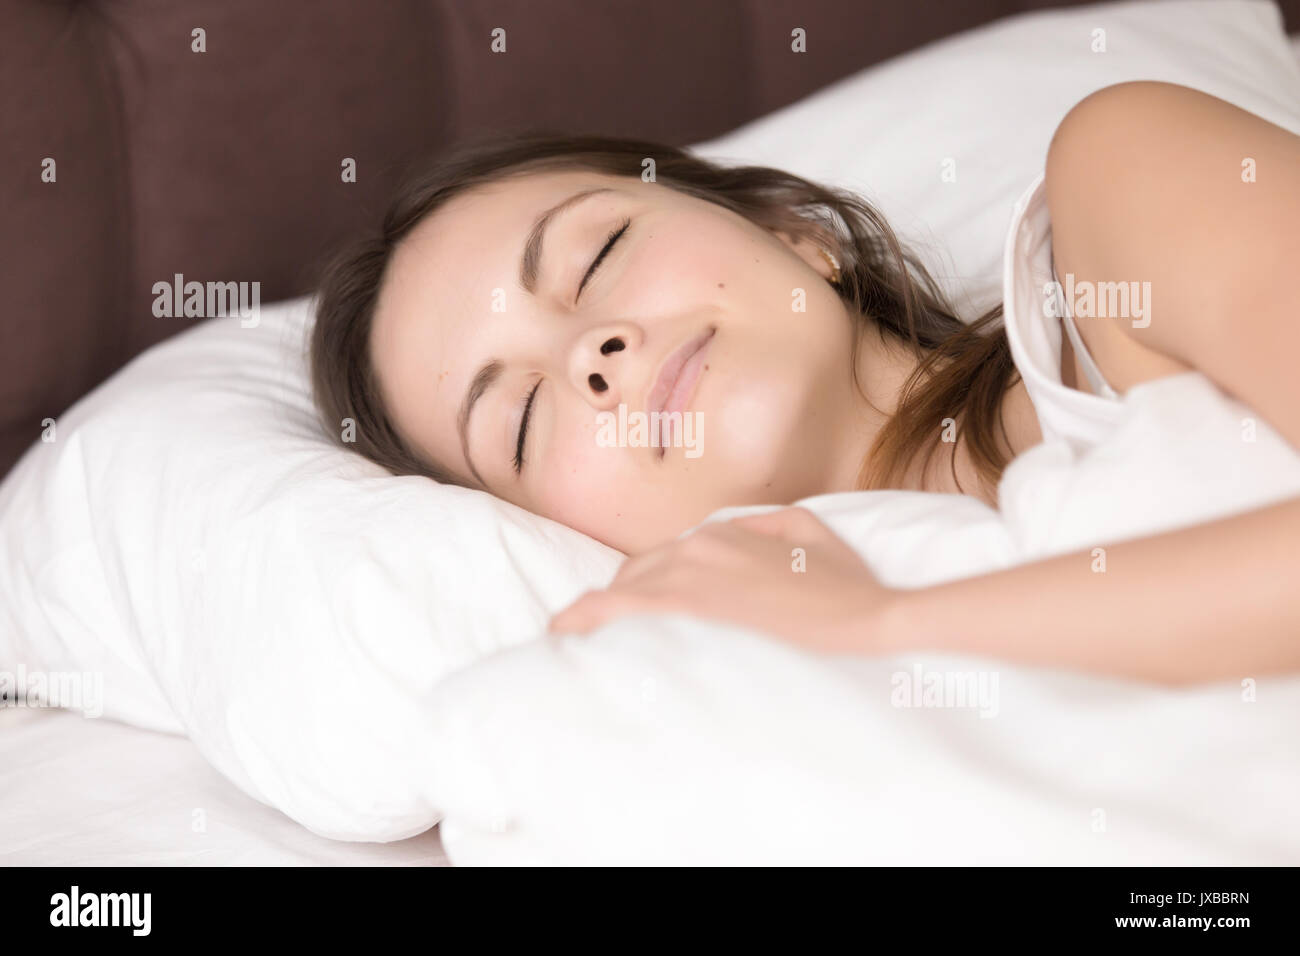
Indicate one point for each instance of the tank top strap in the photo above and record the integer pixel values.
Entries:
(1090, 370)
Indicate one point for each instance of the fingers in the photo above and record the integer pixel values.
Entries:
(638, 564)
(711, 552)
(595, 608)
(577, 618)
(710, 539)
(790, 523)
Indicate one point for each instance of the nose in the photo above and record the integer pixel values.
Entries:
(600, 364)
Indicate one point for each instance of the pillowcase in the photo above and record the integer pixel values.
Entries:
(192, 538)
(945, 139)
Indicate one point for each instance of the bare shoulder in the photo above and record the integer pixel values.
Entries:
(1116, 120)
(1167, 186)
(1156, 181)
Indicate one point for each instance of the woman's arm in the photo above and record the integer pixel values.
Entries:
(1219, 600)
(1216, 601)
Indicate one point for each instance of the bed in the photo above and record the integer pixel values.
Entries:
(85, 792)
(89, 791)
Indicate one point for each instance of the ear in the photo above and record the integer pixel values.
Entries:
(809, 247)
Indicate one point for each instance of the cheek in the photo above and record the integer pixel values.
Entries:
(618, 495)
(772, 397)
(691, 263)
(584, 485)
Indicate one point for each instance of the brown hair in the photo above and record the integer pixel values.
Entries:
(963, 369)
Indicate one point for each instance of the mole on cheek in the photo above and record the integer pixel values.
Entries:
(722, 285)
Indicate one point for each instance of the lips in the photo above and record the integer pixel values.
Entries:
(678, 375)
(675, 384)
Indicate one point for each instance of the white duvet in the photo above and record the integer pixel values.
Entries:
(680, 741)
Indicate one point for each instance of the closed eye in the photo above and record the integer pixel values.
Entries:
(522, 439)
(609, 244)
(523, 429)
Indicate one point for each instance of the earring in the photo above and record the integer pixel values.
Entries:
(834, 264)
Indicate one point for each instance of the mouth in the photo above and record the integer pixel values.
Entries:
(675, 383)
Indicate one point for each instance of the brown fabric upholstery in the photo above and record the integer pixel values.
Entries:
(225, 165)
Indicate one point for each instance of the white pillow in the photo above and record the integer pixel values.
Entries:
(191, 536)
(232, 575)
(990, 100)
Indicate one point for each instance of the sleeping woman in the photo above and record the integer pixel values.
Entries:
(528, 293)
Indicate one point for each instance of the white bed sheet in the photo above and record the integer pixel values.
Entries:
(85, 792)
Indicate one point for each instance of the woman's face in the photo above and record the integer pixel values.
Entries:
(693, 309)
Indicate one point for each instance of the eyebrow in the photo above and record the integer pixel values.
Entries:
(530, 263)
(529, 268)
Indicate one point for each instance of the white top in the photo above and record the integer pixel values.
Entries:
(1090, 370)
(1081, 418)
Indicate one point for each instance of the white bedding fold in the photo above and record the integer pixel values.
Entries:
(677, 742)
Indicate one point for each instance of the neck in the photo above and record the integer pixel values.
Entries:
(883, 368)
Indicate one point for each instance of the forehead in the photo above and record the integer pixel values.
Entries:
(435, 304)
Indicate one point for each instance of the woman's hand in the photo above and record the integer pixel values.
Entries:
(783, 572)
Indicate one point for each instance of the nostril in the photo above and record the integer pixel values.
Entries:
(597, 383)
(613, 345)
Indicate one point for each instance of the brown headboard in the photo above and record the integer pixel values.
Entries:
(225, 164)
